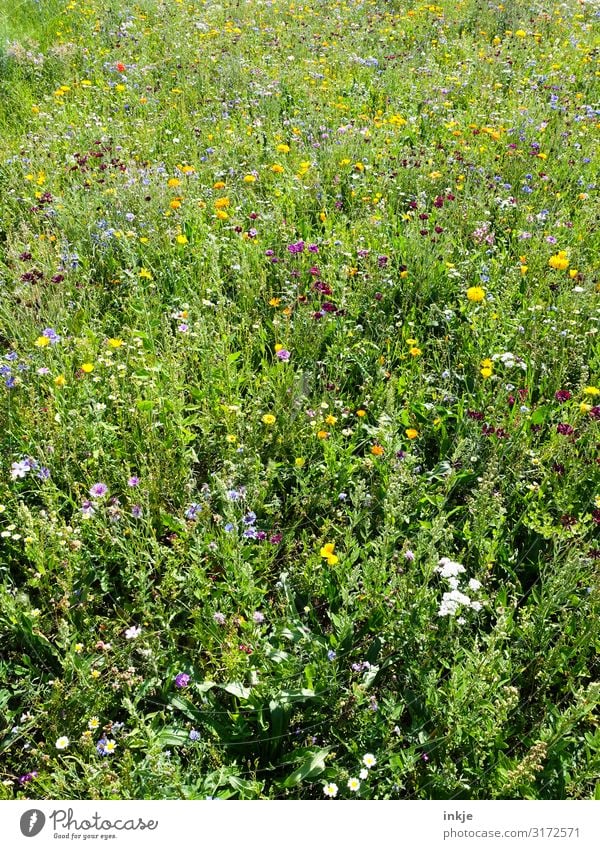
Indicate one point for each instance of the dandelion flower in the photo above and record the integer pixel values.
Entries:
(269, 419)
(559, 261)
(475, 294)
(411, 433)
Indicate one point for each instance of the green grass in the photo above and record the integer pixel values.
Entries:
(236, 242)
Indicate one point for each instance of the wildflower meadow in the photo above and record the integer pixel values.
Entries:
(299, 399)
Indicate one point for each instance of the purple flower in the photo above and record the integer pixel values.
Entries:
(250, 518)
(182, 680)
(192, 511)
(296, 247)
(331, 655)
(98, 490)
(219, 618)
(87, 510)
(283, 355)
(258, 617)
(275, 539)
(133, 481)
(194, 735)
(136, 511)
(29, 776)
(51, 334)
(409, 555)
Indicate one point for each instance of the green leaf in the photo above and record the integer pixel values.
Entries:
(172, 737)
(236, 688)
(540, 415)
(313, 765)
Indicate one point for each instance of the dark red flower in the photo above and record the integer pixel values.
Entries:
(562, 395)
(565, 429)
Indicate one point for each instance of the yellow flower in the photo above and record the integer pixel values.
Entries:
(249, 178)
(411, 341)
(181, 239)
(60, 380)
(559, 261)
(573, 272)
(376, 450)
(411, 433)
(591, 390)
(78, 647)
(114, 343)
(87, 368)
(274, 302)
(361, 413)
(219, 185)
(231, 438)
(95, 673)
(330, 420)
(327, 552)
(486, 371)
(276, 168)
(269, 419)
(222, 203)
(520, 33)
(221, 215)
(42, 341)
(299, 462)
(584, 408)
(145, 274)
(175, 203)
(475, 294)
(322, 434)
(173, 183)
(283, 148)
(415, 352)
